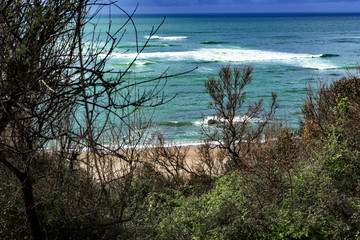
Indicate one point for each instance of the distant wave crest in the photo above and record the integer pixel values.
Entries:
(174, 124)
(211, 42)
(327, 55)
(171, 38)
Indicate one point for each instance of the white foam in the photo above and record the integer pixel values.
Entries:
(314, 64)
(171, 38)
(242, 119)
(180, 143)
(237, 55)
(138, 63)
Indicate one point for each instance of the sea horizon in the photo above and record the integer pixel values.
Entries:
(222, 14)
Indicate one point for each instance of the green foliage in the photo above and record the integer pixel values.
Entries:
(340, 153)
(342, 109)
(223, 213)
(316, 210)
(342, 164)
(12, 217)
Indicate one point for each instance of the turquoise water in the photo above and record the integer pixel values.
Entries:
(286, 51)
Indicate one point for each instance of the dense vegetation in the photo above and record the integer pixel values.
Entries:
(249, 180)
(294, 185)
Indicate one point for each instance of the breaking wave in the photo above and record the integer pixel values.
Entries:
(237, 55)
(171, 38)
(215, 119)
(327, 55)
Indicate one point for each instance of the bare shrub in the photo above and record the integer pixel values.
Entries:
(170, 160)
(210, 161)
(271, 163)
(234, 130)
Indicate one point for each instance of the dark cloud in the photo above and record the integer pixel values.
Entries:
(165, 3)
(207, 2)
(175, 2)
(297, 1)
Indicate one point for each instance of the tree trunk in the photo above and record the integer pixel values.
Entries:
(37, 230)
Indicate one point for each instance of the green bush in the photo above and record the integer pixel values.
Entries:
(226, 212)
(311, 212)
(12, 216)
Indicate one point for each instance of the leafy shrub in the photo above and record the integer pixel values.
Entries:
(316, 210)
(335, 104)
(226, 212)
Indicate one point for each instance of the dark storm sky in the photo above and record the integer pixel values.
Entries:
(240, 6)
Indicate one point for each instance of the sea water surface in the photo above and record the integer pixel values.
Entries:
(287, 52)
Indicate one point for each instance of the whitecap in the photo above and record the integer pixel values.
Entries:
(171, 38)
(237, 55)
(242, 119)
(314, 64)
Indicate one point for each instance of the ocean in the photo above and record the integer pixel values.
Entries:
(287, 52)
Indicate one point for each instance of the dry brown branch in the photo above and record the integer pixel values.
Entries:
(170, 160)
(234, 130)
